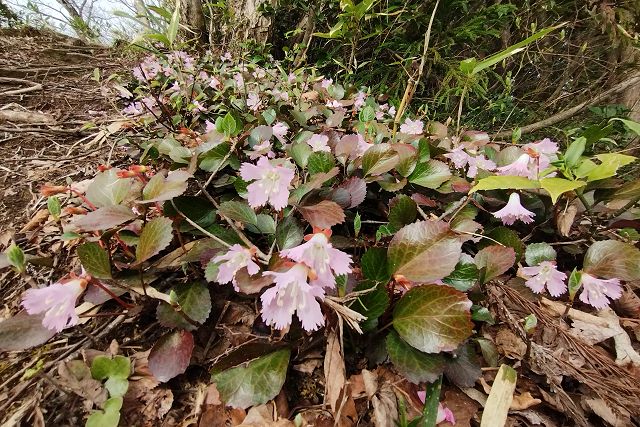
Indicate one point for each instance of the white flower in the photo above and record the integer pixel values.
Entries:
(319, 143)
(412, 127)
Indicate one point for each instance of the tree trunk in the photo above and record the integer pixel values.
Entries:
(192, 17)
(247, 22)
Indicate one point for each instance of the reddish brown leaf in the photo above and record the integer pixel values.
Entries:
(496, 259)
(323, 215)
(170, 356)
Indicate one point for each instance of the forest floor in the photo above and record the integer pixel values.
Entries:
(48, 93)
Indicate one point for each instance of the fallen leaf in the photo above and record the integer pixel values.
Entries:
(523, 401)
(334, 371)
(510, 344)
(499, 400)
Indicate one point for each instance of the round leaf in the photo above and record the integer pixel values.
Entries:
(170, 356)
(415, 365)
(613, 259)
(433, 318)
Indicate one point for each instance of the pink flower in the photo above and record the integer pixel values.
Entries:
(57, 301)
(317, 253)
(360, 100)
(458, 156)
(412, 127)
(239, 80)
(444, 413)
(319, 143)
(291, 77)
(197, 106)
(226, 57)
(259, 73)
(514, 211)
(292, 294)
(326, 83)
(518, 168)
(544, 275)
(280, 130)
(214, 83)
(234, 260)
(147, 70)
(479, 162)
(253, 101)
(543, 152)
(209, 126)
(271, 183)
(337, 105)
(262, 149)
(362, 146)
(595, 291)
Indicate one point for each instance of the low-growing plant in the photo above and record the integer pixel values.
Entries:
(296, 192)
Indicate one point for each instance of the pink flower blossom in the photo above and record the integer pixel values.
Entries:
(412, 127)
(317, 253)
(237, 77)
(214, 83)
(291, 77)
(197, 106)
(262, 149)
(544, 275)
(458, 156)
(259, 73)
(514, 211)
(479, 162)
(209, 126)
(57, 302)
(518, 168)
(544, 151)
(271, 183)
(147, 70)
(326, 83)
(234, 260)
(280, 130)
(359, 101)
(226, 57)
(337, 105)
(280, 95)
(319, 143)
(595, 291)
(253, 101)
(292, 294)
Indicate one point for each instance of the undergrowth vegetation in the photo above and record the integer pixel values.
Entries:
(296, 195)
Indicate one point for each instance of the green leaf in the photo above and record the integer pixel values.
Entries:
(172, 29)
(256, 383)
(109, 416)
(633, 126)
(530, 323)
(463, 277)
(609, 165)
(104, 367)
(424, 251)
(574, 283)
(613, 259)
(197, 209)
(320, 162)
(495, 260)
(53, 205)
(238, 211)
(226, 125)
(574, 152)
(374, 265)
(117, 387)
(507, 237)
(367, 114)
(482, 314)
(95, 260)
(402, 211)
(558, 186)
(357, 224)
(431, 404)
(106, 189)
(16, 258)
(433, 318)
(300, 153)
(269, 116)
(430, 174)
(504, 183)
(538, 252)
(214, 159)
(413, 364)
(379, 159)
(163, 187)
(156, 235)
(193, 299)
(289, 233)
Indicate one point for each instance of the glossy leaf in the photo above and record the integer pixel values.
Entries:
(102, 218)
(413, 364)
(507, 237)
(505, 183)
(613, 259)
(95, 260)
(464, 368)
(238, 211)
(495, 260)
(289, 233)
(170, 355)
(193, 299)
(323, 215)
(155, 236)
(538, 252)
(320, 162)
(402, 211)
(379, 159)
(431, 174)
(463, 277)
(558, 186)
(424, 251)
(163, 187)
(433, 318)
(254, 384)
(374, 265)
